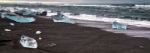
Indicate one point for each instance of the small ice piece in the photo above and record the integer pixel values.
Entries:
(40, 38)
(12, 24)
(52, 44)
(7, 30)
(141, 46)
(119, 26)
(28, 42)
(38, 32)
(2, 15)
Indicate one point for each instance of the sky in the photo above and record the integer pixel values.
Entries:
(85, 1)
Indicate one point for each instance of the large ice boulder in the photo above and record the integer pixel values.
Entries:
(17, 18)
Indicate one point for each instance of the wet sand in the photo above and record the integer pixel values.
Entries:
(133, 31)
(68, 38)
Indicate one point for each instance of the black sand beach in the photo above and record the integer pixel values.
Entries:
(68, 38)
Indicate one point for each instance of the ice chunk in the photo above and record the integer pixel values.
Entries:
(28, 42)
(38, 32)
(20, 19)
(2, 14)
(141, 46)
(26, 12)
(12, 24)
(40, 38)
(52, 44)
(119, 26)
(7, 30)
(17, 18)
(64, 19)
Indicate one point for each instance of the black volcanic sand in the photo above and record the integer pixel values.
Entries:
(68, 39)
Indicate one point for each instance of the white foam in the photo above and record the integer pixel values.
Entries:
(51, 14)
(110, 20)
(143, 6)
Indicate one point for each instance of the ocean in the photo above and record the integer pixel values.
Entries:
(138, 15)
(136, 12)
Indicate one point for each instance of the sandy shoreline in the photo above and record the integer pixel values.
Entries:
(132, 31)
(69, 39)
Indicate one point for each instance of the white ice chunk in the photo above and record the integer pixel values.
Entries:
(7, 29)
(28, 42)
(12, 24)
(40, 38)
(38, 32)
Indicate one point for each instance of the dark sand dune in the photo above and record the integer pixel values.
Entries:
(69, 39)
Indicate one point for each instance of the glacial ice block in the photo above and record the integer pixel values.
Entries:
(26, 12)
(18, 18)
(64, 19)
(28, 42)
(119, 26)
